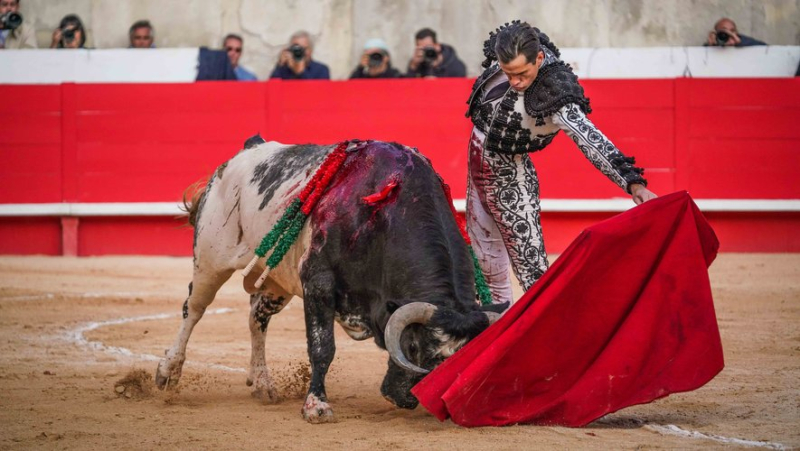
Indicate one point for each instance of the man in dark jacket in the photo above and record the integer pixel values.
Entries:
(725, 34)
(432, 59)
(375, 62)
(295, 63)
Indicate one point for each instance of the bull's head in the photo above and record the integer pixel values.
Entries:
(419, 336)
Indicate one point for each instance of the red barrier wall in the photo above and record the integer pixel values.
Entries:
(724, 139)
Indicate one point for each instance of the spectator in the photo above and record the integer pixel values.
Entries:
(295, 63)
(726, 35)
(375, 62)
(234, 44)
(432, 59)
(14, 34)
(142, 35)
(70, 34)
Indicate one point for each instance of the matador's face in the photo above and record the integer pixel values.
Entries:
(521, 72)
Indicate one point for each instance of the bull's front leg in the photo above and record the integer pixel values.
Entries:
(318, 303)
(271, 300)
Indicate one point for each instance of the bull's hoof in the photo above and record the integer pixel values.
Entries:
(267, 395)
(316, 411)
(166, 379)
(264, 387)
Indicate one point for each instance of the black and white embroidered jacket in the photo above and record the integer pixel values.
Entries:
(517, 123)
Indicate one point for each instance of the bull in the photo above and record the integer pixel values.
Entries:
(396, 269)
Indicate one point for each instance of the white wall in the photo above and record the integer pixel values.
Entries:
(180, 65)
(341, 26)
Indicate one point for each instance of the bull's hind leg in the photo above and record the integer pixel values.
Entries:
(269, 301)
(319, 303)
(202, 290)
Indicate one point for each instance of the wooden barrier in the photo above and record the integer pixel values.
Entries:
(732, 139)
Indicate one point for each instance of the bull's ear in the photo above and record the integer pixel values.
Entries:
(459, 325)
(496, 308)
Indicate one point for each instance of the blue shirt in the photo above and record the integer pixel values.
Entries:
(243, 74)
(314, 71)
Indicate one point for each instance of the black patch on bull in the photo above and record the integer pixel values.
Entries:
(253, 141)
(263, 306)
(273, 173)
(186, 303)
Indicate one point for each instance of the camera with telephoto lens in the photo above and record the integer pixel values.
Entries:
(430, 54)
(10, 21)
(298, 52)
(375, 59)
(67, 35)
(722, 38)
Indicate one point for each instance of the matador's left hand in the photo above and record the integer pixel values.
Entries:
(641, 194)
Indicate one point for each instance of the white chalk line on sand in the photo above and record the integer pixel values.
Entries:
(671, 429)
(89, 295)
(77, 336)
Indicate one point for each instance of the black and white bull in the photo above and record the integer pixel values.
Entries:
(396, 269)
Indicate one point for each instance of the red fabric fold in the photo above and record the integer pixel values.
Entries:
(623, 317)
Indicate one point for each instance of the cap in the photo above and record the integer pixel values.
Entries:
(376, 43)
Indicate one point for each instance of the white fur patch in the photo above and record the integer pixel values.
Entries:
(447, 344)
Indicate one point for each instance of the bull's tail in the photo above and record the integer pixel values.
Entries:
(192, 199)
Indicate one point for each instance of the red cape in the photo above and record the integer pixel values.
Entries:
(623, 317)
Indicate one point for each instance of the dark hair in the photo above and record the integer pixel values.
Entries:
(514, 39)
(75, 21)
(232, 36)
(141, 24)
(426, 33)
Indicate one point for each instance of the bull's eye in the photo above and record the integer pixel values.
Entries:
(412, 350)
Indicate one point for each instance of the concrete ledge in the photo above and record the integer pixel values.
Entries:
(548, 205)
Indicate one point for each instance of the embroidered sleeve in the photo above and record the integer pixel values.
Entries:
(598, 149)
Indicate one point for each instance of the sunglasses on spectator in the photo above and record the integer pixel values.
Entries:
(235, 49)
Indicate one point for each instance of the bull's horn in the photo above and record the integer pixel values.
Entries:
(413, 313)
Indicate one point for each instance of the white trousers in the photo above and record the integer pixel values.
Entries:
(503, 218)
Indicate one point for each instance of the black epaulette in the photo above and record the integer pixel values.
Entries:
(555, 86)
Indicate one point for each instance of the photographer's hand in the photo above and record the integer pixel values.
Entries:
(56, 38)
(438, 61)
(284, 57)
(417, 58)
(712, 38)
(734, 37)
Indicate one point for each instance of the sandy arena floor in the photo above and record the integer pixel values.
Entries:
(71, 329)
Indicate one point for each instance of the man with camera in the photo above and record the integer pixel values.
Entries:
(726, 35)
(295, 63)
(70, 33)
(13, 33)
(432, 59)
(375, 62)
